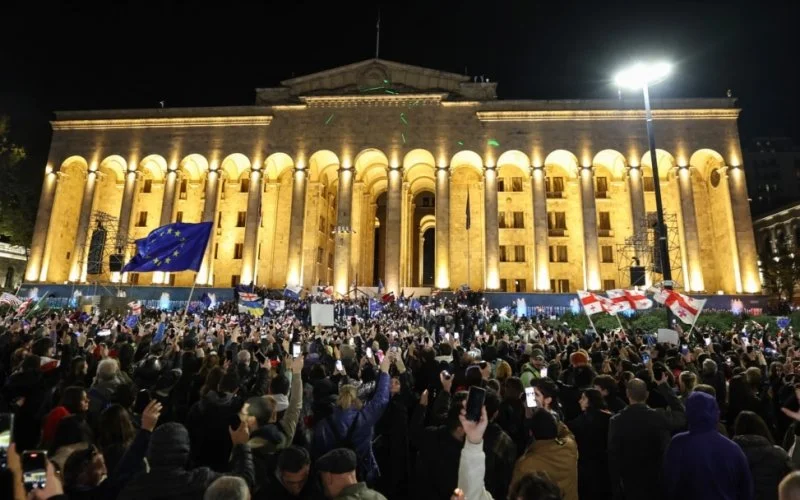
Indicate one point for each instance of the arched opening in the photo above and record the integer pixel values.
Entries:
(423, 217)
(9, 278)
(428, 254)
(379, 247)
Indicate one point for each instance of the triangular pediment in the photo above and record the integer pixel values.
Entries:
(373, 76)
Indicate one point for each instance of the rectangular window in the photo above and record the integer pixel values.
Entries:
(222, 191)
(133, 278)
(259, 252)
(554, 186)
(516, 184)
(216, 250)
(244, 185)
(556, 223)
(558, 253)
(203, 191)
(320, 254)
(147, 186)
(241, 218)
(142, 221)
(607, 254)
(503, 256)
(604, 220)
(219, 219)
(179, 217)
(238, 249)
(330, 260)
(171, 279)
(559, 286)
(519, 253)
(601, 187)
(184, 189)
(501, 185)
(427, 202)
(501, 220)
(520, 285)
(519, 220)
(609, 285)
(649, 185)
(503, 284)
(321, 224)
(235, 280)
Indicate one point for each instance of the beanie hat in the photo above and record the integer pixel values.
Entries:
(169, 446)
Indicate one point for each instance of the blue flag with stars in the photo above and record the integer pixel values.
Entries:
(174, 247)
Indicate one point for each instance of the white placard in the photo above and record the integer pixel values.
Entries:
(322, 314)
(668, 336)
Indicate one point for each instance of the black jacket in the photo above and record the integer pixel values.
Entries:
(208, 422)
(501, 454)
(768, 464)
(438, 456)
(591, 433)
(638, 437)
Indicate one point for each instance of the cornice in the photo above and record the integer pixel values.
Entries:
(373, 100)
(606, 115)
(182, 122)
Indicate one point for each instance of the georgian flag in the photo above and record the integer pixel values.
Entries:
(11, 300)
(593, 303)
(627, 300)
(136, 307)
(684, 307)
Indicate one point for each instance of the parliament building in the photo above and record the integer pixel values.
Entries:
(386, 172)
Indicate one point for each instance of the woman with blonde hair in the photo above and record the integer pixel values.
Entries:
(503, 371)
(352, 423)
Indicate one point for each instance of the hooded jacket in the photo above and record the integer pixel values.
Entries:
(769, 464)
(167, 476)
(556, 457)
(701, 463)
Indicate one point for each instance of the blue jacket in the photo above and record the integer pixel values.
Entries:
(370, 413)
(703, 464)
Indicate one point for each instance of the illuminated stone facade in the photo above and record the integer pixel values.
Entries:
(335, 178)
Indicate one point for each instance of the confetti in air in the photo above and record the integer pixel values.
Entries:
(403, 118)
(403, 136)
(493, 142)
(330, 119)
(460, 143)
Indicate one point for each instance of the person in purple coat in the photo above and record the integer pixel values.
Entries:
(702, 463)
(352, 424)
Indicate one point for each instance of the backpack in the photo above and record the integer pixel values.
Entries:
(347, 442)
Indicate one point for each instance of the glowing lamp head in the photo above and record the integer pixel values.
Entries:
(643, 74)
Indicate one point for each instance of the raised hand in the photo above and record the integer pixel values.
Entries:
(474, 430)
(150, 415)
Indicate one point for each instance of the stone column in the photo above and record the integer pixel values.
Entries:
(394, 205)
(205, 276)
(790, 241)
(125, 215)
(541, 250)
(343, 232)
(442, 273)
(358, 236)
(294, 268)
(41, 228)
(421, 258)
(168, 203)
(591, 260)
(773, 240)
(492, 229)
(636, 188)
(78, 254)
(743, 225)
(252, 221)
(694, 281)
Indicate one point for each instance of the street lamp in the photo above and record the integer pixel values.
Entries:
(642, 76)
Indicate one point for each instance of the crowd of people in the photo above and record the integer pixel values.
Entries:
(219, 404)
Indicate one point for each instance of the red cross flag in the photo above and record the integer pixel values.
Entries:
(593, 303)
(684, 307)
(136, 307)
(629, 299)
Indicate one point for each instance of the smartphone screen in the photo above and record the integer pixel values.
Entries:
(339, 365)
(684, 349)
(380, 356)
(6, 431)
(352, 341)
(475, 403)
(34, 469)
(455, 335)
(369, 352)
(296, 350)
(707, 340)
(645, 358)
(542, 373)
(530, 398)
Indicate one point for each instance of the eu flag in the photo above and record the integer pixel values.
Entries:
(174, 247)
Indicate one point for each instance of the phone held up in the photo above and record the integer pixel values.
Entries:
(475, 403)
(6, 431)
(530, 398)
(34, 469)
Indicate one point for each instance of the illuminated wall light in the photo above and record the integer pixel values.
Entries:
(213, 165)
(48, 169)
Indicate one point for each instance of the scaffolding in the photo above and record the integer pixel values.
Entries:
(641, 249)
(115, 244)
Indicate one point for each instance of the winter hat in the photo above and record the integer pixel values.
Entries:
(338, 461)
(578, 358)
(169, 446)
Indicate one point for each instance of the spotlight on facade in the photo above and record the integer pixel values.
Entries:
(641, 75)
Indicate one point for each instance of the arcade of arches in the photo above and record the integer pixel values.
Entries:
(335, 178)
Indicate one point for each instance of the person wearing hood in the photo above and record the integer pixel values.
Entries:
(768, 463)
(208, 420)
(701, 463)
(168, 456)
(268, 435)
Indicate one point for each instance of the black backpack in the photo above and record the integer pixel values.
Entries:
(347, 442)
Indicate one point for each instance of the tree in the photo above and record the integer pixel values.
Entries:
(17, 197)
(781, 273)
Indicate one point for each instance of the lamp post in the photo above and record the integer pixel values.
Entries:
(642, 76)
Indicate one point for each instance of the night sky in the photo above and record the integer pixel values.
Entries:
(127, 57)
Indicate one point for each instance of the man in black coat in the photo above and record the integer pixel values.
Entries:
(638, 437)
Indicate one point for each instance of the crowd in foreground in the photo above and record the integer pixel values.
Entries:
(426, 402)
